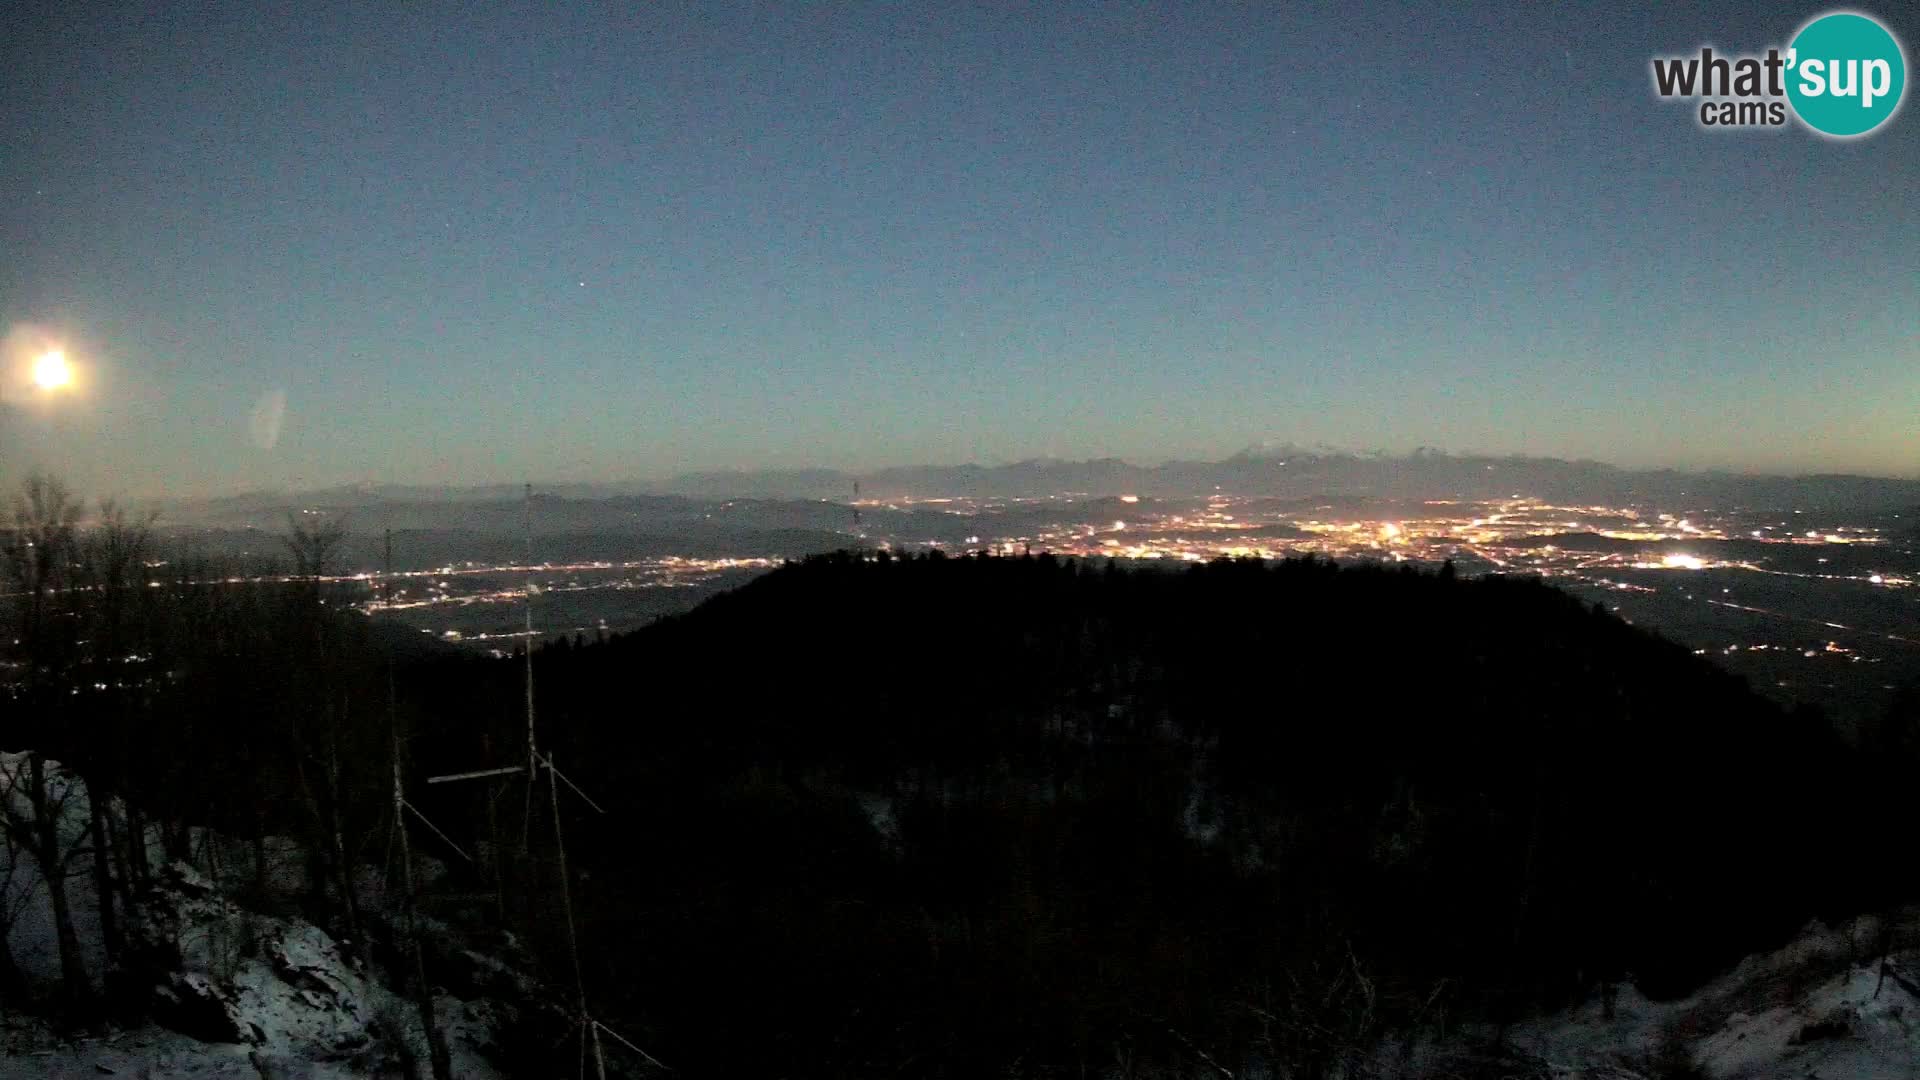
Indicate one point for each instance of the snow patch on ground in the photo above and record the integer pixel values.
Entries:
(269, 997)
(242, 994)
(1821, 1007)
(288, 991)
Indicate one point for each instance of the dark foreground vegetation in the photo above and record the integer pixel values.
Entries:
(1251, 810)
(953, 817)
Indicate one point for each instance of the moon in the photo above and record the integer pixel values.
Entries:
(51, 371)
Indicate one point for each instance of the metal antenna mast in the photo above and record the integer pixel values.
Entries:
(590, 1028)
(526, 601)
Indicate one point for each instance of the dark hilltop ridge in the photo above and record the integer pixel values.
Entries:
(943, 817)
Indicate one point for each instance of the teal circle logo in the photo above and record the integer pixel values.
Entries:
(1846, 74)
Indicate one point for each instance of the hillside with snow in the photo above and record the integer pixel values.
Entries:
(213, 987)
(931, 817)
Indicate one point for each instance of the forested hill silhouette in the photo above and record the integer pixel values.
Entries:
(937, 814)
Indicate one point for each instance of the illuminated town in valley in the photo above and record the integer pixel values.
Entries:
(1802, 604)
(1805, 603)
(596, 596)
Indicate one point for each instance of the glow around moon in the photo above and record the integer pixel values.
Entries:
(51, 371)
(40, 368)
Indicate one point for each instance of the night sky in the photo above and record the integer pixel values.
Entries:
(480, 243)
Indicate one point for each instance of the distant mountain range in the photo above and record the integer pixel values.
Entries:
(1280, 474)
(1302, 474)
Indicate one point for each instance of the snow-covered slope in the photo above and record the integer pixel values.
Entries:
(242, 994)
(232, 991)
(1821, 1007)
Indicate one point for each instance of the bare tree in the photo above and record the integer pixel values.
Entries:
(110, 561)
(13, 900)
(39, 556)
(313, 545)
(33, 820)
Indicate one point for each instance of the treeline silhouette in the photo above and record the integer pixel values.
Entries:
(944, 816)
(935, 816)
(190, 694)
